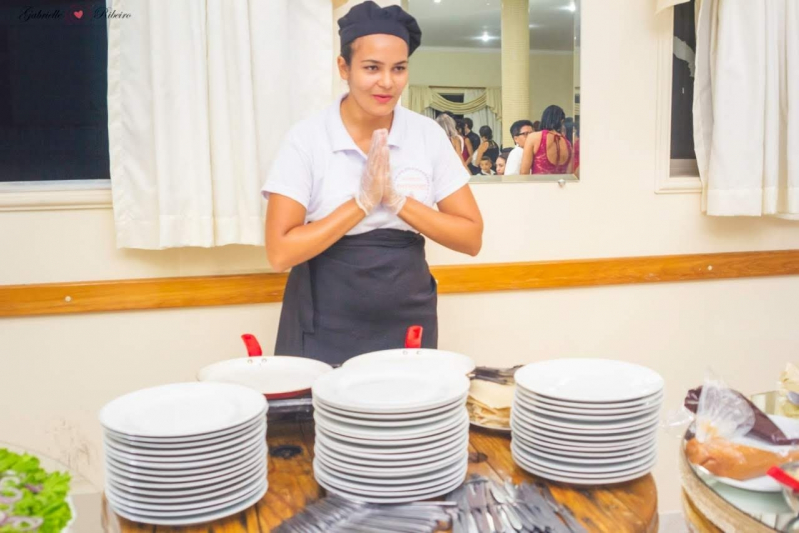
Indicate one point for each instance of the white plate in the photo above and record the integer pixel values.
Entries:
(589, 380)
(422, 419)
(182, 409)
(423, 359)
(187, 482)
(596, 407)
(405, 480)
(582, 436)
(179, 462)
(391, 416)
(380, 461)
(583, 413)
(388, 388)
(365, 456)
(377, 485)
(211, 492)
(588, 475)
(197, 449)
(587, 454)
(610, 480)
(543, 419)
(199, 518)
(184, 442)
(577, 468)
(462, 427)
(417, 450)
(411, 496)
(392, 472)
(591, 459)
(390, 433)
(583, 446)
(171, 457)
(189, 474)
(267, 374)
(790, 427)
(165, 493)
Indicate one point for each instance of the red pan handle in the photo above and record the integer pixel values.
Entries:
(413, 338)
(253, 348)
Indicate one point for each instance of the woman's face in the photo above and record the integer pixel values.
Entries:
(378, 72)
(500, 166)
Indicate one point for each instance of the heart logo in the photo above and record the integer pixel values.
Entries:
(78, 14)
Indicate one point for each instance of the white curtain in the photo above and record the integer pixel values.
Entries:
(746, 107)
(200, 94)
(485, 116)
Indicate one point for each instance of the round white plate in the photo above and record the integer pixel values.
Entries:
(581, 413)
(419, 450)
(212, 492)
(543, 419)
(182, 409)
(150, 482)
(388, 388)
(424, 360)
(364, 456)
(582, 436)
(558, 450)
(125, 448)
(189, 474)
(377, 487)
(589, 380)
(184, 442)
(581, 445)
(406, 480)
(578, 468)
(580, 480)
(179, 462)
(596, 407)
(198, 518)
(379, 461)
(462, 427)
(390, 433)
(392, 472)
(267, 374)
(172, 457)
(424, 419)
(411, 496)
(597, 475)
(391, 416)
(166, 493)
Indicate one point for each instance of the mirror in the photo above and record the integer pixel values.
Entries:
(491, 64)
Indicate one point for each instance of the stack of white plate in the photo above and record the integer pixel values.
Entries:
(586, 421)
(185, 453)
(387, 433)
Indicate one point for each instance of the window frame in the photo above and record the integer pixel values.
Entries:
(678, 178)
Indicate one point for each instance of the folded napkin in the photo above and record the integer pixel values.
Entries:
(489, 403)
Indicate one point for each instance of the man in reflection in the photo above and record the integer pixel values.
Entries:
(537, 125)
(473, 144)
(519, 130)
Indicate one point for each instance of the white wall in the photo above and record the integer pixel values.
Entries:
(58, 371)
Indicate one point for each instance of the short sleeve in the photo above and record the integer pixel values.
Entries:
(449, 174)
(291, 173)
(514, 164)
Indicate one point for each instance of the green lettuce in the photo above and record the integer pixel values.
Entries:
(49, 503)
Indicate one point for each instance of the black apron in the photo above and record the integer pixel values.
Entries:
(358, 296)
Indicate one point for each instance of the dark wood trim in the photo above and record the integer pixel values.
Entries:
(162, 293)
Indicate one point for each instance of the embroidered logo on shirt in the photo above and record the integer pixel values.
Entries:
(415, 183)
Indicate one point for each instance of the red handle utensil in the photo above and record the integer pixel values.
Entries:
(784, 478)
(253, 348)
(413, 338)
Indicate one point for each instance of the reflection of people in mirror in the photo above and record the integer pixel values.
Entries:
(447, 123)
(502, 160)
(468, 149)
(519, 131)
(487, 146)
(352, 195)
(485, 166)
(548, 151)
(537, 125)
(472, 143)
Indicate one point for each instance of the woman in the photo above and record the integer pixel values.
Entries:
(548, 151)
(502, 160)
(487, 147)
(447, 123)
(351, 193)
(467, 151)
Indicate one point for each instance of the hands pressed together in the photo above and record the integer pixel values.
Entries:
(376, 185)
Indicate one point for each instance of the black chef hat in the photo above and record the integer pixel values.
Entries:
(368, 18)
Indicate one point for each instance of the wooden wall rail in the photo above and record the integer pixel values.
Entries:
(139, 294)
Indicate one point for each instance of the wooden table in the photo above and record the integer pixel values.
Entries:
(627, 507)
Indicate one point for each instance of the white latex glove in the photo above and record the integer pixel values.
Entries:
(392, 199)
(375, 173)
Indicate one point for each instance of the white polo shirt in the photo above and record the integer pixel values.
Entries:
(320, 166)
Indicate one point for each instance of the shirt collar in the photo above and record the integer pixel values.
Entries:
(340, 138)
